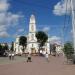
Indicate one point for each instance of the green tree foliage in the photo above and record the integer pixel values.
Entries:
(12, 46)
(1, 52)
(6, 47)
(3, 49)
(68, 50)
(23, 42)
(42, 37)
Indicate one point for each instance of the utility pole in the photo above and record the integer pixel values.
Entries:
(73, 22)
(62, 36)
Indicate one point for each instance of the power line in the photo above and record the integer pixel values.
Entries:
(41, 6)
(63, 29)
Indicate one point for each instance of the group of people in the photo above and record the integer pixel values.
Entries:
(56, 50)
(29, 59)
(11, 55)
(45, 54)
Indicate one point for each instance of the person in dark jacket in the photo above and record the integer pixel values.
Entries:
(29, 57)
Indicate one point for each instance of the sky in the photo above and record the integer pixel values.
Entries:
(51, 16)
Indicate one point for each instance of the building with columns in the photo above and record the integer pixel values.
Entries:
(32, 44)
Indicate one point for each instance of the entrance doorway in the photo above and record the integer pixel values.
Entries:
(33, 51)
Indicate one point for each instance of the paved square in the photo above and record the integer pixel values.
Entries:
(38, 66)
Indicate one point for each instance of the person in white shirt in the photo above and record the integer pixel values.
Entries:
(40, 52)
(44, 52)
(10, 56)
(47, 57)
(13, 56)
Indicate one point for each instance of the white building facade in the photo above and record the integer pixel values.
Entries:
(32, 44)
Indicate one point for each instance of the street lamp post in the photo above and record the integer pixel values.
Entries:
(73, 22)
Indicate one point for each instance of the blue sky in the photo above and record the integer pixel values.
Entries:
(50, 16)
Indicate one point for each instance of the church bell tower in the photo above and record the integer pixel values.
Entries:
(32, 24)
(32, 40)
(32, 28)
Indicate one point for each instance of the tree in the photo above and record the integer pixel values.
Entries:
(6, 46)
(1, 53)
(3, 49)
(68, 50)
(23, 42)
(12, 46)
(42, 38)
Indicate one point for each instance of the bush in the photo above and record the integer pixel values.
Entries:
(68, 50)
(73, 59)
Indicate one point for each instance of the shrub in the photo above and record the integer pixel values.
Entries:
(68, 50)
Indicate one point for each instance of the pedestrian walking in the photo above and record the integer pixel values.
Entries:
(44, 53)
(40, 52)
(29, 57)
(13, 56)
(47, 57)
(10, 56)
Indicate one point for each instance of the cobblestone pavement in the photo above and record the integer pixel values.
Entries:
(38, 66)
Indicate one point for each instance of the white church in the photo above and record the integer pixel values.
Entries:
(32, 44)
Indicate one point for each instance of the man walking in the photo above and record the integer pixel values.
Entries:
(29, 57)
(47, 57)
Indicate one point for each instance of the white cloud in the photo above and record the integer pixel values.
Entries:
(13, 19)
(16, 35)
(7, 19)
(4, 5)
(2, 28)
(20, 30)
(4, 34)
(2, 18)
(73, 1)
(46, 29)
(55, 39)
(62, 8)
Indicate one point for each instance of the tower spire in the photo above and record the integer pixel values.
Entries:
(32, 24)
